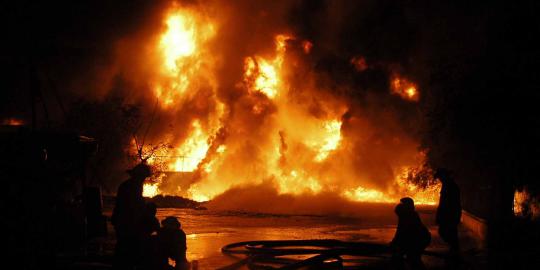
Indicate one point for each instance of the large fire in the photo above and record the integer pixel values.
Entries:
(270, 133)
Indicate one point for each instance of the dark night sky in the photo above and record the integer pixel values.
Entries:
(62, 39)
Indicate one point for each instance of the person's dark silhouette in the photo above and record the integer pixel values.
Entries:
(149, 226)
(449, 210)
(171, 244)
(149, 223)
(407, 201)
(127, 216)
(412, 237)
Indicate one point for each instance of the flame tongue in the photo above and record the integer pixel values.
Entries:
(184, 56)
(192, 152)
(178, 41)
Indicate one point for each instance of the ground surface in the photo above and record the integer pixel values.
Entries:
(208, 231)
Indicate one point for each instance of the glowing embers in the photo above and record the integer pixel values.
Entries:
(184, 58)
(192, 151)
(404, 88)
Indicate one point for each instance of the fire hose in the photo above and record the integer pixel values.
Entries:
(327, 254)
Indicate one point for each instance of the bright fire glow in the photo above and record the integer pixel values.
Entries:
(186, 64)
(331, 142)
(150, 190)
(184, 55)
(197, 195)
(192, 151)
(298, 182)
(179, 40)
(361, 194)
(261, 74)
(428, 196)
(405, 89)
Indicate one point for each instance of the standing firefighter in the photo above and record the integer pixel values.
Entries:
(449, 210)
(127, 214)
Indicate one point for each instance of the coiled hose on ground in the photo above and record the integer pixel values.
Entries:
(321, 254)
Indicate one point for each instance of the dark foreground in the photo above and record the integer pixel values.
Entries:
(208, 231)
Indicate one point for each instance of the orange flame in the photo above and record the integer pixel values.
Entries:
(261, 75)
(184, 57)
(405, 89)
(192, 152)
(178, 41)
(330, 140)
(428, 196)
